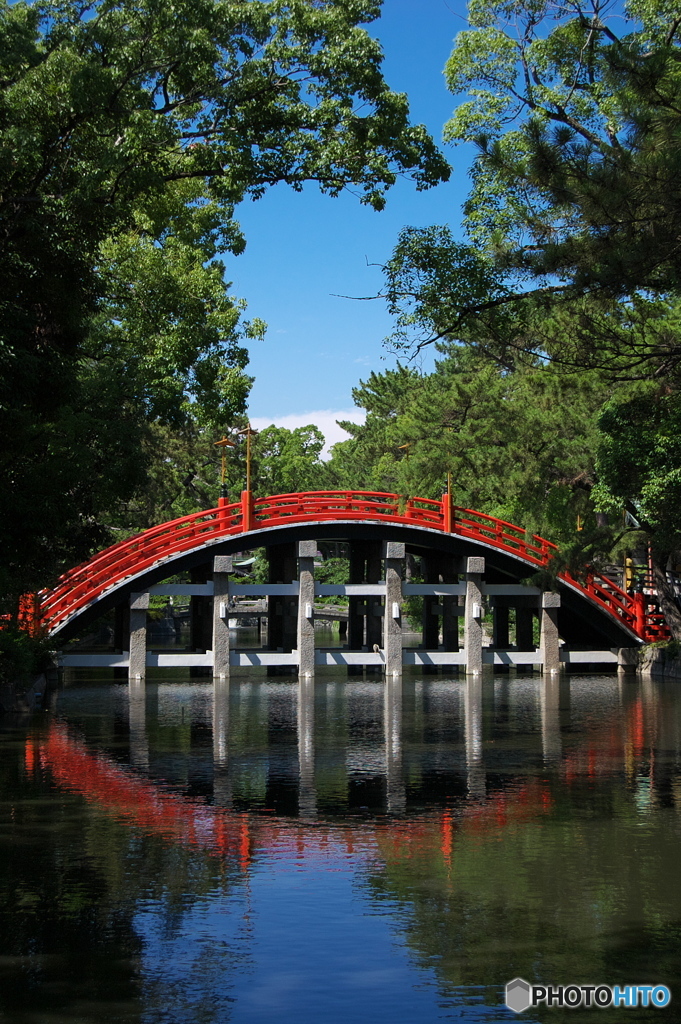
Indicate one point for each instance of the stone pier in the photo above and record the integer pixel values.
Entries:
(454, 588)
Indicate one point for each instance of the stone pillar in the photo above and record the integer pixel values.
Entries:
(628, 661)
(222, 566)
(393, 553)
(137, 667)
(475, 568)
(549, 642)
(307, 549)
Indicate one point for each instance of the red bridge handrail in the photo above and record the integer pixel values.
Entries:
(88, 582)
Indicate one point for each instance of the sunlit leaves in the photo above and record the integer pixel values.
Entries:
(129, 130)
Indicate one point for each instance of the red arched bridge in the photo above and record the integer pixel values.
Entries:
(456, 544)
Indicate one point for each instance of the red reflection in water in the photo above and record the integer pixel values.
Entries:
(618, 744)
(225, 833)
(136, 800)
(175, 818)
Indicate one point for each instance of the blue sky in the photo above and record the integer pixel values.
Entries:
(304, 250)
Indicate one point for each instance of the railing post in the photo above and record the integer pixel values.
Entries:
(222, 514)
(447, 517)
(137, 664)
(246, 510)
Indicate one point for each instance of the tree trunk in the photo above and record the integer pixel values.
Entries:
(668, 603)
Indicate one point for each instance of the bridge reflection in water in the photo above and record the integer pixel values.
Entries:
(492, 828)
(307, 750)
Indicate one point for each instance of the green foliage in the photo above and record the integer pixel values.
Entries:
(372, 457)
(573, 209)
(576, 124)
(285, 461)
(519, 444)
(639, 461)
(429, 277)
(184, 471)
(128, 133)
(260, 570)
(21, 656)
(333, 570)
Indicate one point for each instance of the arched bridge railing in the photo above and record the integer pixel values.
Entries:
(86, 583)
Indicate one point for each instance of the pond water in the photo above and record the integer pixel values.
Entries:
(341, 851)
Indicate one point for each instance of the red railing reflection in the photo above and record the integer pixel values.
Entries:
(240, 836)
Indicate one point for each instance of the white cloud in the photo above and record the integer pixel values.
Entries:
(325, 419)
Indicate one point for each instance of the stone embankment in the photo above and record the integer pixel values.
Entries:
(661, 661)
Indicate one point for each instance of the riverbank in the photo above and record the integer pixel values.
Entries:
(21, 697)
(662, 661)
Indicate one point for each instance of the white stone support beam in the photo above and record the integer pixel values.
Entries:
(549, 643)
(222, 567)
(350, 589)
(393, 554)
(307, 549)
(137, 663)
(475, 568)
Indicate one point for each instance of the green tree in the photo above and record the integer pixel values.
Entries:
(128, 133)
(574, 114)
(372, 457)
(286, 461)
(574, 111)
(520, 442)
(572, 254)
(639, 466)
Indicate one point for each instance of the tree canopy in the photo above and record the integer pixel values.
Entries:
(129, 132)
(575, 113)
(568, 284)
